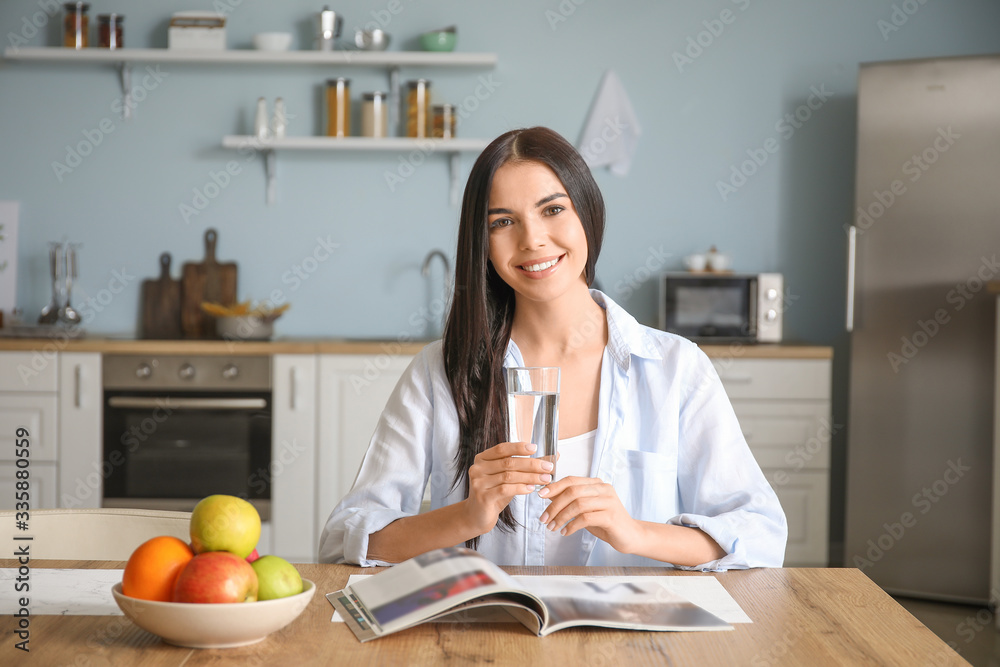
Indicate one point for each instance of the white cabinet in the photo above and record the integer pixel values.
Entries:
(294, 524)
(783, 406)
(353, 390)
(41, 485)
(80, 430)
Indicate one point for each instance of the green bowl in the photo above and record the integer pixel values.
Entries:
(438, 40)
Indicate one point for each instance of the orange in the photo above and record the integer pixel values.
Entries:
(153, 568)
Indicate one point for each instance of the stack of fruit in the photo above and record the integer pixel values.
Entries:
(220, 565)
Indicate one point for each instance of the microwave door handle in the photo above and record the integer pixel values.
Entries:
(174, 403)
(852, 254)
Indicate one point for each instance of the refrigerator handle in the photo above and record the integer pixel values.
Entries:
(852, 247)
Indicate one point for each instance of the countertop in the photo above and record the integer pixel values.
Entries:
(112, 345)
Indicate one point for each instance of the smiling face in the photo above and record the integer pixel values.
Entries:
(537, 242)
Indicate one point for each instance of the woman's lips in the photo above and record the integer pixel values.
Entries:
(541, 268)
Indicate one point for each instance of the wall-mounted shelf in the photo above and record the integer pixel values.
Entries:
(392, 61)
(426, 147)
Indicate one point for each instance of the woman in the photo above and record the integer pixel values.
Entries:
(658, 470)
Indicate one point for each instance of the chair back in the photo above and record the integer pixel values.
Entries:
(92, 534)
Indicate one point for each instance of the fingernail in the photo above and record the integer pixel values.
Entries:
(544, 517)
(531, 447)
(547, 465)
(562, 532)
(551, 526)
(546, 478)
(543, 492)
(528, 488)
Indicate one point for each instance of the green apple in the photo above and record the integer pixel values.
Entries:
(276, 578)
(225, 523)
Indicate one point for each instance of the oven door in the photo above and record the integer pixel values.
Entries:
(168, 450)
(710, 309)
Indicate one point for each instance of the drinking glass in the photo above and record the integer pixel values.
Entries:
(533, 410)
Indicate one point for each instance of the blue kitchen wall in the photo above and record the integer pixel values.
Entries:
(709, 81)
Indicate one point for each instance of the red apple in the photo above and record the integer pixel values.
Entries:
(225, 523)
(253, 556)
(216, 576)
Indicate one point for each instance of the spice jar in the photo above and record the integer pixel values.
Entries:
(338, 107)
(110, 33)
(418, 105)
(76, 25)
(374, 115)
(443, 125)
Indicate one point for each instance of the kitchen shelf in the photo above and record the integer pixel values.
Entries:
(269, 147)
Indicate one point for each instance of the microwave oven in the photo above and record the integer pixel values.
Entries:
(722, 307)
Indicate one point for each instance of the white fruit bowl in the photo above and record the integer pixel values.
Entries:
(214, 625)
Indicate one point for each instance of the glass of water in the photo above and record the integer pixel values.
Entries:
(533, 409)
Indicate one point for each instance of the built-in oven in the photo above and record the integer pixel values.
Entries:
(177, 429)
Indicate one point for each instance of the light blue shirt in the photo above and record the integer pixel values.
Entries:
(667, 440)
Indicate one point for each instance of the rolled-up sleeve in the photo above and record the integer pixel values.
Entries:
(722, 489)
(390, 484)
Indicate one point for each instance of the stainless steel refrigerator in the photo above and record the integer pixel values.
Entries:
(925, 240)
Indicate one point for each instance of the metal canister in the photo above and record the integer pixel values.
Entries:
(338, 107)
(374, 115)
(418, 106)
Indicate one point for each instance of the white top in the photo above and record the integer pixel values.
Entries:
(576, 456)
(667, 440)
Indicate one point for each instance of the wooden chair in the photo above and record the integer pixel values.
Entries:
(91, 534)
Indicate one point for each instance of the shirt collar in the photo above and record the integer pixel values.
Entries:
(626, 337)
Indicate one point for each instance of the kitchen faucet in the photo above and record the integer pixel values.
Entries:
(425, 270)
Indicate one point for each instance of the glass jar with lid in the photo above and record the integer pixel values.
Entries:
(338, 107)
(443, 123)
(374, 115)
(110, 31)
(76, 25)
(418, 106)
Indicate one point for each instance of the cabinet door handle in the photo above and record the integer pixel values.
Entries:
(292, 393)
(852, 256)
(77, 372)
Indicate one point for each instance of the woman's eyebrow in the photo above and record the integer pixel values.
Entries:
(500, 210)
(546, 200)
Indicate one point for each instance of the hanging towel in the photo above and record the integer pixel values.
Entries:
(611, 134)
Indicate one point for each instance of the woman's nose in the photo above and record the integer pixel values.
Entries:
(533, 233)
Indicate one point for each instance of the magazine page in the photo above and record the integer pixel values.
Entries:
(634, 605)
(423, 587)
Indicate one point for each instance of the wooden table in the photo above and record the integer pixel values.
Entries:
(800, 617)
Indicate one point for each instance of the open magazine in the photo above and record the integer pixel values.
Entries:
(456, 580)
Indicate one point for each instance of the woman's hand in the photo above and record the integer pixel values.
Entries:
(499, 474)
(587, 502)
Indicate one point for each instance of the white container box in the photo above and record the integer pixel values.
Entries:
(197, 31)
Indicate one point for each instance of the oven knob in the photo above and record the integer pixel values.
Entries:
(186, 372)
(772, 294)
(772, 315)
(230, 371)
(143, 371)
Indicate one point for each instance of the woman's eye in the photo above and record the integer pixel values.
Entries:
(554, 210)
(499, 222)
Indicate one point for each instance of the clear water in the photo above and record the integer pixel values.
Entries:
(533, 416)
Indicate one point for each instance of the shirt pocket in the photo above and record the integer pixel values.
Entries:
(646, 483)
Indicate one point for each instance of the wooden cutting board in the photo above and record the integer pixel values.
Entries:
(208, 280)
(161, 304)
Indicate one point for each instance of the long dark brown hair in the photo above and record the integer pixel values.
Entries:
(482, 311)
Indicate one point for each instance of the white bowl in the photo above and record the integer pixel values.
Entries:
(214, 625)
(272, 41)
